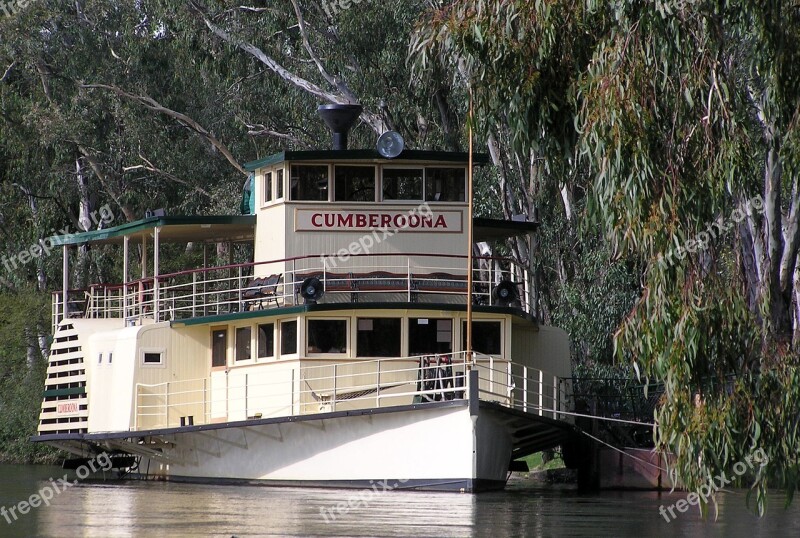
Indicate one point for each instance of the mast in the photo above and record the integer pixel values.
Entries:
(469, 236)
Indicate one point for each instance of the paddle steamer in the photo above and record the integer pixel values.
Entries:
(338, 357)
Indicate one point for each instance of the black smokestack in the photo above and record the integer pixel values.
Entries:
(339, 119)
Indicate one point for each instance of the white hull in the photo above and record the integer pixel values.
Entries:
(430, 447)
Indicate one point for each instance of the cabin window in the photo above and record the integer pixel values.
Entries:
(445, 184)
(378, 337)
(279, 184)
(219, 348)
(327, 336)
(402, 183)
(288, 337)
(430, 336)
(266, 340)
(110, 358)
(268, 187)
(486, 337)
(243, 344)
(152, 358)
(310, 182)
(100, 359)
(354, 183)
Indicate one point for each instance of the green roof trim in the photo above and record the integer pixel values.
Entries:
(235, 316)
(332, 307)
(64, 392)
(135, 227)
(369, 155)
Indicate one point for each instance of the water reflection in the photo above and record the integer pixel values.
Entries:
(130, 509)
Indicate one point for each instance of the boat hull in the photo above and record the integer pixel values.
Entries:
(437, 446)
(426, 447)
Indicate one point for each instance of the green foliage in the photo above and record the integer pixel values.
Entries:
(21, 379)
(590, 292)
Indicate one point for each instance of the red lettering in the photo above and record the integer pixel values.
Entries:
(375, 220)
(67, 408)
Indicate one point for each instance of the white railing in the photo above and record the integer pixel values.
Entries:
(524, 388)
(229, 289)
(351, 386)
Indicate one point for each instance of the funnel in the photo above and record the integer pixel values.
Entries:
(339, 119)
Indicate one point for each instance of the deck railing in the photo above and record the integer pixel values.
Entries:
(353, 385)
(233, 288)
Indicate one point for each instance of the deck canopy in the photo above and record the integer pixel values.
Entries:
(161, 229)
(497, 230)
(238, 228)
(178, 229)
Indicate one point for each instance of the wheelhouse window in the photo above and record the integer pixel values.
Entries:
(486, 337)
(309, 182)
(354, 183)
(219, 348)
(327, 336)
(152, 358)
(445, 184)
(378, 337)
(243, 352)
(279, 184)
(268, 187)
(288, 337)
(266, 340)
(402, 183)
(430, 336)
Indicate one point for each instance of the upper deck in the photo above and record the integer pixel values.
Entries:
(424, 278)
(333, 226)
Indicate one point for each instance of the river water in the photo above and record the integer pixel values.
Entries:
(141, 509)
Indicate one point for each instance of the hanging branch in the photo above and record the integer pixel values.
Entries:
(150, 167)
(155, 106)
(373, 120)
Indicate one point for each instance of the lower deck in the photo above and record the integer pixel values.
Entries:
(295, 362)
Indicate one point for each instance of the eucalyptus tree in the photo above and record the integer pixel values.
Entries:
(685, 115)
